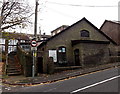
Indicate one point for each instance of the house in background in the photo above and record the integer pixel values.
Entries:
(40, 37)
(21, 37)
(81, 44)
(112, 30)
(59, 29)
(13, 40)
(44, 37)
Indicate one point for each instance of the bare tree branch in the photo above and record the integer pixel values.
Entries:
(7, 14)
(14, 13)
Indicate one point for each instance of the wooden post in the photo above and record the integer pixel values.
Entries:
(6, 54)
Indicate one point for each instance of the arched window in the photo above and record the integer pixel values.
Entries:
(84, 33)
(61, 55)
(62, 49)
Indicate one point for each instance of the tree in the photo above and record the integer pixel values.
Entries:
(14, 13)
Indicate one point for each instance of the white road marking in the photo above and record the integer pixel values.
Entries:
(95, 84)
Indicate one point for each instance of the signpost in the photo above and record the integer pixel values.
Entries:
(33, 43)
(34, 49)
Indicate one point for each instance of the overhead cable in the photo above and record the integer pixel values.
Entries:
(81, 5)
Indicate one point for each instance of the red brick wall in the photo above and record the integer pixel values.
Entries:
(1, 68)
(112, 30)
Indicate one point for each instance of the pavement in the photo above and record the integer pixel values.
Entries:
(46, 78)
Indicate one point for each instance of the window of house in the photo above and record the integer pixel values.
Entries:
(45, 38)
(10, 49)
(41, 39)
(22, 40)
(61, 55)
(2, 41)
(15, 42)
(2, 48)
(62, 49)
(84, 33)
(10, 42)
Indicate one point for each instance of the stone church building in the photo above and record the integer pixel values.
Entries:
(80, 44)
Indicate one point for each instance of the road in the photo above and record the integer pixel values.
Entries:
(101, 81)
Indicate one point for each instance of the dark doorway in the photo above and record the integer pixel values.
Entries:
(40, 65)
(77, 60)
(61, 56)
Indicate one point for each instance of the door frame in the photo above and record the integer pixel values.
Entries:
(77, 57)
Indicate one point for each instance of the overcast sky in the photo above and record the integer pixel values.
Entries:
(54, 13)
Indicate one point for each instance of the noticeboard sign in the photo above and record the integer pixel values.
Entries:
(53, 53)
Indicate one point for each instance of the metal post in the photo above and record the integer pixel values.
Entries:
(33, 67)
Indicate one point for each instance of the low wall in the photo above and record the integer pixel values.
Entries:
(114, 59)
(2, 68)
(25, 59)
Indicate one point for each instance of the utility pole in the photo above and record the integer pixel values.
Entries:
(35, 39)
(39, 33)
(35, 27)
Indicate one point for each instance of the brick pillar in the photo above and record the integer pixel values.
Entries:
(1, 68)
(50, 66)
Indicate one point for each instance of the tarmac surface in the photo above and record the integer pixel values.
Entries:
(11, 82)
(100, 81)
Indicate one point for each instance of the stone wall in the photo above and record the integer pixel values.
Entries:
(2, 68)
(26, 61)
(73, 33)
(93, 54)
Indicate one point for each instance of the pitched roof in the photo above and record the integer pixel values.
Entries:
(11, 35)
(63, 26)
(112, 22)
(74, 25)
(42, 36)
(112, 30)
